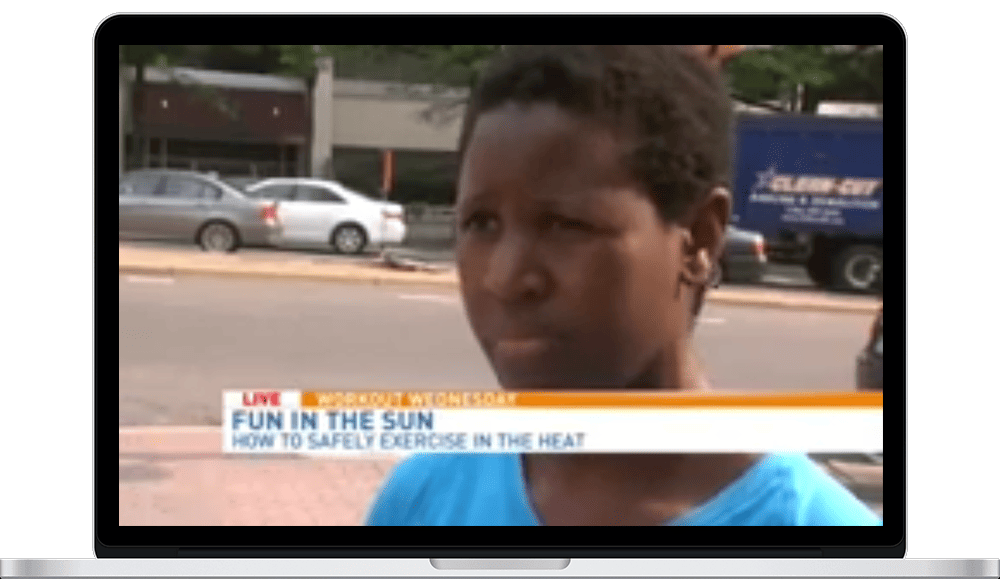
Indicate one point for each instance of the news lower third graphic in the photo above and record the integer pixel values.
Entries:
(363, 424)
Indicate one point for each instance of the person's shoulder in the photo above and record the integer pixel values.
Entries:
(414, 473)
(442, 465)
(419, 481)
(818, 498)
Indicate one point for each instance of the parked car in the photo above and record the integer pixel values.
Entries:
(744, 258)
(188, 205)
(869, 363)
(322, 212)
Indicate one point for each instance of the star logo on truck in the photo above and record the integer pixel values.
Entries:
(764, 179)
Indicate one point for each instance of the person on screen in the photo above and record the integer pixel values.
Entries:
(591, 210)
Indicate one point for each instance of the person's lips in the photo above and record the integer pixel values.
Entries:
(512, 349)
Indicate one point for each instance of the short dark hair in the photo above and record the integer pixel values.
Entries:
(670, 107)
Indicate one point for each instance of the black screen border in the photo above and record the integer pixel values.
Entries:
(111, 540)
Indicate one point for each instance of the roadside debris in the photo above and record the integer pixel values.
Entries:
(389, 260)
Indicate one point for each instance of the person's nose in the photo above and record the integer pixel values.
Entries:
(515, 272)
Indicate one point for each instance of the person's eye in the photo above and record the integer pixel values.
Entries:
(481, 222)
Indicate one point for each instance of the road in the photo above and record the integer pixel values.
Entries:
(183, 341)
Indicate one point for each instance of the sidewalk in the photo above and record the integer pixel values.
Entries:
(183, 479)
(179, 476)
(158, 261)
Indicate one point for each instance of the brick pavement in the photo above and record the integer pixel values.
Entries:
(183, 479)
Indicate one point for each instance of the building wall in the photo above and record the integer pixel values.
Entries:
(356, 117)
(384, 123)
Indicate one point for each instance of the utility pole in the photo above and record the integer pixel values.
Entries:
(322, 129)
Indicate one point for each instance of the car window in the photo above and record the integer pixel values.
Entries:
(312, 193)
(278, 191)
(212, 192)
(366, 195)
(139, 185)
(184, 188)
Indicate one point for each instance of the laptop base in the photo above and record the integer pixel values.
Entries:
(619, 568)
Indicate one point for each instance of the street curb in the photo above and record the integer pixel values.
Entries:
(342, 277)
(792, 304)
(357, 275)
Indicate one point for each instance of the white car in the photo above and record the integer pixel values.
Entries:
(321, 212)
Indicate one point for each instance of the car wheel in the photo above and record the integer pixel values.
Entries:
(858, 268)
(349, 239)
(218, 237)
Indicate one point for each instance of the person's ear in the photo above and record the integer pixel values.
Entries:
(706, 236)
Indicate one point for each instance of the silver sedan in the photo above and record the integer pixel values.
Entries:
(192, 206)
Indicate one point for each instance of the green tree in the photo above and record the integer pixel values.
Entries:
(452, 65)
(140, 57)
(857, 76)
(440, 65)
(261, 59)
(822, 72)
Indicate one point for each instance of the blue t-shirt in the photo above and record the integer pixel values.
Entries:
(489, 489)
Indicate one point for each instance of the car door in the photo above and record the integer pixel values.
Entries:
(179, 208)
(313, 213)
(214, 203)
(134, 195)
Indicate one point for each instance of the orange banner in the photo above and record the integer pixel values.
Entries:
(610, 400)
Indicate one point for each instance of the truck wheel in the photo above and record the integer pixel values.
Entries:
(818, 268)
(859, 268)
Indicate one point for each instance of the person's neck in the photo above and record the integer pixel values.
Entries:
(629, 489)
(666, 480)
(677, 370)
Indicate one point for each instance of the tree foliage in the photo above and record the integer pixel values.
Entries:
(824, 72)
(770, 73)
(442, 65)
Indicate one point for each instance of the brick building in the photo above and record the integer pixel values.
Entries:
(370, 135)
(209, 120)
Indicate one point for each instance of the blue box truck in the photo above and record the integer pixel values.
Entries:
(812, 185)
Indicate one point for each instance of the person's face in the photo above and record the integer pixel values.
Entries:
(568, 274)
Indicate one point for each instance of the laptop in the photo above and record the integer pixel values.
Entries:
(275, 341)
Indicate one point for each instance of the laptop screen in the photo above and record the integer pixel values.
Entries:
(369, 288)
